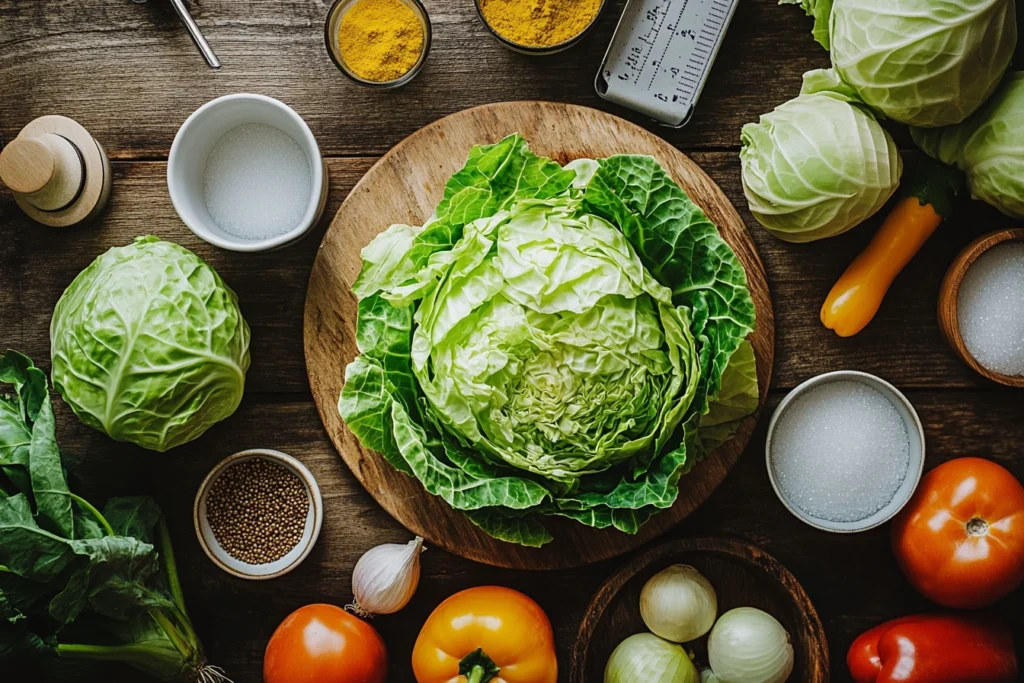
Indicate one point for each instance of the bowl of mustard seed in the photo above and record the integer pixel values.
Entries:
(258, 514)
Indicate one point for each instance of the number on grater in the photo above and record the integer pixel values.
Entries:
(660, 56)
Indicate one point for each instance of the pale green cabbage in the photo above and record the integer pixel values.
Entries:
(922, 62)
(551, 342)
(818, 165)
(149, 345)
(988, 148)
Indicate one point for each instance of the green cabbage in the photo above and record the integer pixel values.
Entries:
(818, 165)
(923, 62)
(988, 147)
(149, 345)
(550, 342)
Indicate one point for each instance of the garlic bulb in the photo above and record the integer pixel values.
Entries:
(385, 578)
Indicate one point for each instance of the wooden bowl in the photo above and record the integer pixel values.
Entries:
(742, 575)
(949, 295)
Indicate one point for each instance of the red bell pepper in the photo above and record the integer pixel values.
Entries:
(934, 648)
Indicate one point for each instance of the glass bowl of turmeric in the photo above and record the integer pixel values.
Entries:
(539, 28)
(378, 43)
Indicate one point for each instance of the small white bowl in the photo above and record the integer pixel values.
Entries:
(295, 556)
(186, 165)
(915, 433)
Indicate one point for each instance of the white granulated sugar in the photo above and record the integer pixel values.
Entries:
(990, 309)
(840, 452)
(257, 182)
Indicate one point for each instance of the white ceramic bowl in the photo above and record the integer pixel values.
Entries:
(915, 432)
(186, 165)
(295, 556)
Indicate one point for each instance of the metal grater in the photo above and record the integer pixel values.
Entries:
(661, 54)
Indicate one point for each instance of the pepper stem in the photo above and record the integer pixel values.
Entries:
(477, 667)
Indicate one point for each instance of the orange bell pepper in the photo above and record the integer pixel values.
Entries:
(855, 298)
(488, 634)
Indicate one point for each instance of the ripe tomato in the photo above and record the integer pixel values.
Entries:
(960, 539)
(324, 644)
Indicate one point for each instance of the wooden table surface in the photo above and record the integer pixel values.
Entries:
(129, 74)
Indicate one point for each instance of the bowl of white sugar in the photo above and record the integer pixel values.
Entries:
(981, 306)
(845, 451)
(246, 174)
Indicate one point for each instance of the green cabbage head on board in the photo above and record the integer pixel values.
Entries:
(149, 345)
(922, 62)
(988, 147)
(554, 341)
(819, 164)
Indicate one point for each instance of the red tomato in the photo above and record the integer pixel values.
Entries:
(960, 539)
(324, 644)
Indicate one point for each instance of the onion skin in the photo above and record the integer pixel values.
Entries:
(646, 658)
(748, 645)
(678, 604)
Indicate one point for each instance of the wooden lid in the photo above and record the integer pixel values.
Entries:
(26, 165)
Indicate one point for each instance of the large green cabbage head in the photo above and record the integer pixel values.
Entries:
(988, 148)
(818, 165)
(554, 341)
(149, 345)
(923, 62)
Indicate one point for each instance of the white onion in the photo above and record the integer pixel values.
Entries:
(678, 604)
(750, 646)
(646, 658)
(708, 676)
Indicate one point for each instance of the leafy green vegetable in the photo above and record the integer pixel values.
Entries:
(922, 62)
(70, 573)
(819, 165)
(149, 345)
(821, 10)
(988, 147)
(547, 342)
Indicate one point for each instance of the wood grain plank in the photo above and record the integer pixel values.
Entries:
(130, 75)
(852, 579)
(903, 345)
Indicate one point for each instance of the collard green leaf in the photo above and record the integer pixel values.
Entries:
(134, 516)
(25, 548)
(114, 578)
(29, 413)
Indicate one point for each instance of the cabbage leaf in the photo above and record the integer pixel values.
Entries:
(548, 342)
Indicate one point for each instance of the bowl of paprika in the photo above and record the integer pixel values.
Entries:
(378, 43)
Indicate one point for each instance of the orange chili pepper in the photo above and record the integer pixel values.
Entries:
(488, 634)
(856, 296)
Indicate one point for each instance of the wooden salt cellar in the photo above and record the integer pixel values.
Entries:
(59, 175)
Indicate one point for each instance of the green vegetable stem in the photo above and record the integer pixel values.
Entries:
(77, 582)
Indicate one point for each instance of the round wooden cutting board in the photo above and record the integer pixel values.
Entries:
(404, 187)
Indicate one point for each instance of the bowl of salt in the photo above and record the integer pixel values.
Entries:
(246, 174)
(981, 306)
(845, 451)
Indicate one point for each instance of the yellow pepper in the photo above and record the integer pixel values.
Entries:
(488, 634)
(858, 293)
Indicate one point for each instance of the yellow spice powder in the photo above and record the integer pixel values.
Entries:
(539, 23)
(380, 40)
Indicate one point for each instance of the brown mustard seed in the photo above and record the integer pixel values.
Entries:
(257, 510)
